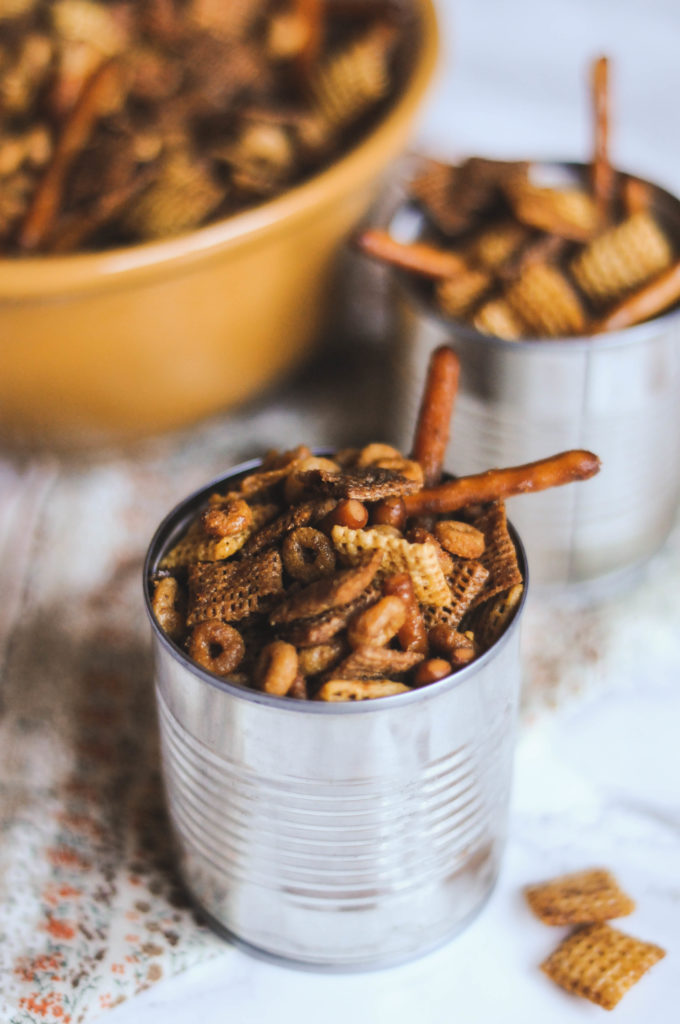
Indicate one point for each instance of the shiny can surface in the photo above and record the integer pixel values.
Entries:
(339, 836)
(616, 394)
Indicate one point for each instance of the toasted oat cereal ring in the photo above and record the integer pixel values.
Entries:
(582, 897)
(600, 963)
(378, 624)
(307, 554)
(320, 657)
(217, 647)
(460, 539)
(622, 258)
(294, 486)
(164, 604)
(359, 689)
(277, 668)
(234, 518)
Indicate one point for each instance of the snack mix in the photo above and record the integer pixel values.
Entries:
(133, 120)
(595, 960)
(518, 257)
(355, 576)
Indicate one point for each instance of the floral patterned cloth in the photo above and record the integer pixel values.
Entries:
(91, 910)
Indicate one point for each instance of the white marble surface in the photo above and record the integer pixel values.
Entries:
(597, 782)
(598, 777)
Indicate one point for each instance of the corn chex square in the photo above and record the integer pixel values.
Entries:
(582, 897)
(399, 555)
(600, 963)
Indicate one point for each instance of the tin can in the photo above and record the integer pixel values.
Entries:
(339, 836)
(616, 394)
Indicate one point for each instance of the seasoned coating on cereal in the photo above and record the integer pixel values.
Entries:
(231, 591)
(365, 483)
(600, 963)
(327, 594)
(581, 897)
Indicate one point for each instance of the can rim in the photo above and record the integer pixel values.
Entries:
(608, 339)
(177, 519)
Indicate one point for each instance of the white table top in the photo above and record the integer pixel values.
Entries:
(596, 782)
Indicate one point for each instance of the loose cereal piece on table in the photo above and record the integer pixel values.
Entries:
(600, 963)
(583, 897)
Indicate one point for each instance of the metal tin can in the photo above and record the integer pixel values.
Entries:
(339, 836)
(616, 394)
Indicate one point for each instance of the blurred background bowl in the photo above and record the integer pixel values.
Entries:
(112, 346)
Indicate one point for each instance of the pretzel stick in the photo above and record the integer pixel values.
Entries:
(661, 293)
(310, 14)
(94, 99)
(635, 195)
(497, 484)
(602, 173)
(75, 230)
(436, 409)
(418, 257)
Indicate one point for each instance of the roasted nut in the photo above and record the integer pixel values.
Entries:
(430, 671)
(235, 517)
(165, 606)
(460, 539)
(348, 512)
(458, 648)
(294, 487)
(378, 624)
(277, 668)
(389, 512)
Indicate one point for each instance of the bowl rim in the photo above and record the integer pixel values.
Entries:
(177, 519)
(578, 342)
(38, 277)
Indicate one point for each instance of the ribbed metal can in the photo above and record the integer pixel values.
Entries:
(616, 394)
(339, 836)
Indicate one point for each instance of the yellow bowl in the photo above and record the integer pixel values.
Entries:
(111, 346)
